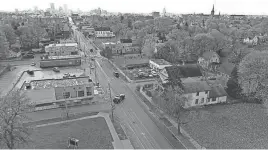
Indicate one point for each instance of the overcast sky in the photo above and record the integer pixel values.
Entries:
(256, 7)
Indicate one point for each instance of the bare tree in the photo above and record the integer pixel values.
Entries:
(12, 115)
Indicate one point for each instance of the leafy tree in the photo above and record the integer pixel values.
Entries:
(202, 43)
(233, 88)
(219, 39)
(10, 33)
(3, 45)
(26, 37)
(12, 109)
(253, 74)
(174, 102)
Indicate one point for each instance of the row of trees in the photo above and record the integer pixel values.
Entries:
(184, 40)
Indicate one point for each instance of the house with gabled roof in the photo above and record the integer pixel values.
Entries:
(209, 60)
(183, 72)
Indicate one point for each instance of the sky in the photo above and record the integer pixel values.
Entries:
(248, 7)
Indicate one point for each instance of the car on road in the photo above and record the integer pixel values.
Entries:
(28, 56)
(33, 64)
(119, 98)
(56, 69)
(116, 74)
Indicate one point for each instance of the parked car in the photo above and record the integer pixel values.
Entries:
(30, 72)
(119, 98)
(56, 69)
(33, 64)
(66, 75)
(28, 56)
(116, 74)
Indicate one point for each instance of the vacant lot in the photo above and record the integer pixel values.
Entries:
(237, 126)
(92, 134)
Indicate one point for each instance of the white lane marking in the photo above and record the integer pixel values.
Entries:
(137, 97)
(151, 137)
(132, 128)
(140, 130)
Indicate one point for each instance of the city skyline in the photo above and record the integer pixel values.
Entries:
(248, 7)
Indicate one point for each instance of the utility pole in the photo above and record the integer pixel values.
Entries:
(112, 104)
(95, 69)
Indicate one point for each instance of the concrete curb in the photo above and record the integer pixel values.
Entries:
(194, 143)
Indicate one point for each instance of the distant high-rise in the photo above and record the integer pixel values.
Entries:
(35, 9)
(164, 12)
(16, 11)
(65, 8)
(52, 6)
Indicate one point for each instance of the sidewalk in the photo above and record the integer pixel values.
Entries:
(55, 113)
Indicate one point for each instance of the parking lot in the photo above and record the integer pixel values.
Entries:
(141, 73)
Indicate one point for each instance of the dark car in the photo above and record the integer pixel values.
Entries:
(116, 74)
(119, 98)
(28, 56)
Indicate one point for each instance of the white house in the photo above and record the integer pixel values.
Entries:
(158, 64)
(103, 32)
(217, 95)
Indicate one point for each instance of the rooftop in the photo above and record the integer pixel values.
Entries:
(62, 44)
(160, 61)
(52, 83)
(126, 40)
(102, 29)
(217, 91)
(226, 68)
(208, 54)
(193, 87)
(64, 57)
(184, 71)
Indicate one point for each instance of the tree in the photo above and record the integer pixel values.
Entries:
(253, 74)
(219, 39)
(238, 54)
(10, 34)
(233, 88)
(203, 42)
(3, 45)
(174, 102)
(26, 37)
(12, 130)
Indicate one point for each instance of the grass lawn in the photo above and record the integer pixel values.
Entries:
(92, 133)
(237, 126)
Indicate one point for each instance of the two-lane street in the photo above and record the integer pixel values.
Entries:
(130, 112)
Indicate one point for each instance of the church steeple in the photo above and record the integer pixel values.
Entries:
(212, 11)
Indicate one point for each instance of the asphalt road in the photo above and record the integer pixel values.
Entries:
(148, 135)
(131, 112)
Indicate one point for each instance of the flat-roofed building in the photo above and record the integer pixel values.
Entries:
(62, 49)
(60, 61)
(72, 89)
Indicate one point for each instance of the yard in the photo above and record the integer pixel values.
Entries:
(237, 126)
(92, 133)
